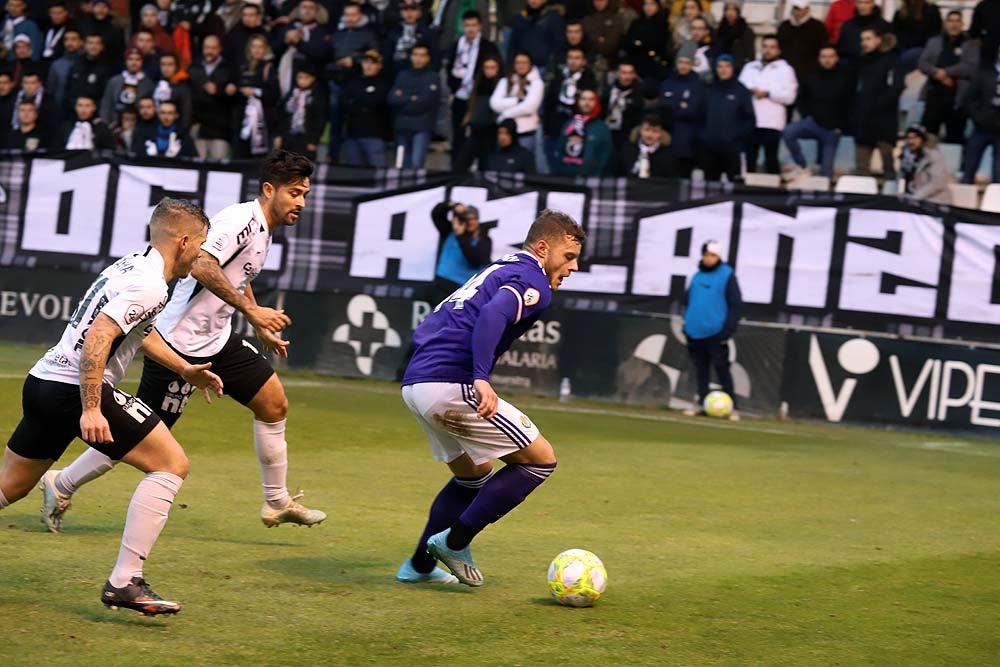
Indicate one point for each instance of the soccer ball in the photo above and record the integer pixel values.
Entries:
(718, 404)
(577, 578)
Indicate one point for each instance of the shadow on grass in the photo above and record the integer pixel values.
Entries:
(329, 570)
(98, 613)
(549, 602)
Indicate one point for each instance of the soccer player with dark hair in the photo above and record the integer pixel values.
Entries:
(447, 388)
(197, 323)
(70, 393)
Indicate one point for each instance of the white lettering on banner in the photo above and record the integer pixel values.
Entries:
(931, 370)
(978, 404)
(416, 251)
(657, 257)
(918, 260)
(134, 205)
(420, 311)
(513, 216)
(27, 304)
(520, 359)
(857, 356)
(972, 273)
(811, 232)
(49, 180)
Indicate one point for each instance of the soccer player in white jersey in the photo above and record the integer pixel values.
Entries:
(197, 323)
(70, 393)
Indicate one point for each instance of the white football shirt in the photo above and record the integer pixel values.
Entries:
(196, 322)
(132, 292)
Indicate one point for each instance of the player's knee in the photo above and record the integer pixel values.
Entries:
(275, 410)
(179, 465)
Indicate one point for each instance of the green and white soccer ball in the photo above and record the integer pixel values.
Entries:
(718, 404)
(577, 578)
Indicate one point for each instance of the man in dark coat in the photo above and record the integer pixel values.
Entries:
(875, 112)
(463, 62)
(983, 105)
(510, 156)
(801, 37)
(622, 104)
(414, 99)
(213, 91)
(729, 123)
(646, 156)
(682, 105)
(866, 15)
(366, 114)
(950, 60)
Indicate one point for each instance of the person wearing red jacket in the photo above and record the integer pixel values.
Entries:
(840, 11)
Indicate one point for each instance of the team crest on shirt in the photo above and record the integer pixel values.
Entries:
(525, 422)
(531, 296)
(134, 313)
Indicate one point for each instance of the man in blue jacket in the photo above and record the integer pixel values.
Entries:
(682, 105)
(712, 309)
(729, 123)
(414, 99)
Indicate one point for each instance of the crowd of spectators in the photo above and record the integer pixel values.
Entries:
(576, 87)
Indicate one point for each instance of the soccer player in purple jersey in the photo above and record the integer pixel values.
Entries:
(447, 388)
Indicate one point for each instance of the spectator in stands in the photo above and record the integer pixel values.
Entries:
(22, 58)
(646, 154)
(124, 130)
(143, 40)
(825, 98)
(537, 31)
(87, 132)
(149, 19)
(584, 147)
(465, 247)
(258, 96)
(366, 114)
(681, 24)
(29, 137)
(213, 92)
(167, 138)
(519, 96)
(682, 105)
(705, 49)
(983, 105)
(914, 22)
(49, 117)
(986, 28)
(837, 14)
(237, 40)
(923, 167)
(735, 37)
(480, 120)
(414, 99)
(18, 23)
(647, 43)
(465, 59)
(730, 123)
(875, 112)
(622, 104)
(950, 61)
(303, 114)
(302, 40)
(101, 22)
(90, 74)
(575, 37)
(867, 15)
(350, 42)
(173, 85)
(58, 77)
(401, 38)
(605, 26)
(712, 309)
(125, 88)
(771, 81)
(10, 97)
(145, 115)
(559, 103)
(801, 37)
(509, 156)
(52, 41)
(677, 7)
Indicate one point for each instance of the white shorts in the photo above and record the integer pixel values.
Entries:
(447, 413)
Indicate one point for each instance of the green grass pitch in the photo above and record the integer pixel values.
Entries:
(759, 543)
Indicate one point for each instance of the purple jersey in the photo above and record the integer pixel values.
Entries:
(466, 334)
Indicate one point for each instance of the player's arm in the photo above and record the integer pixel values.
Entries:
(157, 349)
(503, 309)
(271, 341)
(208, 272)
(96, 350)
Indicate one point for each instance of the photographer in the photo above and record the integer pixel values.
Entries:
(464, 248)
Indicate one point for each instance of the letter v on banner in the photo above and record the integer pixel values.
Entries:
(834, 405)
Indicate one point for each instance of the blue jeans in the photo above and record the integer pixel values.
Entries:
(415, 146)
(974, 149)
(364, 152)
(527, 140)
(807, 128)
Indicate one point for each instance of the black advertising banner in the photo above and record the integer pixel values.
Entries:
(884, 380)
(831, 260)
(36, 304)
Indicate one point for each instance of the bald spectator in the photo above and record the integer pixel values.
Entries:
(213, 94)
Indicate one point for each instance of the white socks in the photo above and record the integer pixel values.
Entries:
(272, 452)
(147, 513)
(86, 467)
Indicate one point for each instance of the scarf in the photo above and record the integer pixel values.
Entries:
(164, 135)
(908, 163)
(567, 90)
(8, 32)
(82, 137)
(576, 139)
(15, 121)
(286, 70)
(253, 129)
(52, 39)
(464, 66)
(641, 166)
(405, 42)
(296, 107)
(617, 102)
(163, 92)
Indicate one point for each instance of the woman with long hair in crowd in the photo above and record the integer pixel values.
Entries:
(258, 97)
(519, 96)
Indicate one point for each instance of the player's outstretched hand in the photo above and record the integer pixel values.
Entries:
(262, 317)
(488, 399)
(94, 427)
(201, 377)
(273, 343)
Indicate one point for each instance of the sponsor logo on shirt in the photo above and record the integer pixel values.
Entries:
(531, 296)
